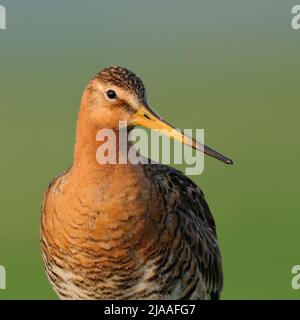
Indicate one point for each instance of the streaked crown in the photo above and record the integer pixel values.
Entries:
(123, 78)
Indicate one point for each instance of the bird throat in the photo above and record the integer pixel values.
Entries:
(120, 181)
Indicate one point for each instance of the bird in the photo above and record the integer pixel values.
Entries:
(127, 231)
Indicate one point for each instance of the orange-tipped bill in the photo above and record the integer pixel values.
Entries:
(147, 118)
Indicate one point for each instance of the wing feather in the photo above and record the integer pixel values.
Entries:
(199, 228)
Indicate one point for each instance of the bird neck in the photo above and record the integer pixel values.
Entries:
(117, 190)
(88, 163)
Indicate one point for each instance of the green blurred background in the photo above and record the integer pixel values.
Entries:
(230, 67)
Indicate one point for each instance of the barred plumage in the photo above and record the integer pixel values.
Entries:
(126, 231)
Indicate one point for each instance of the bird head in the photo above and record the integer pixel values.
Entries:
(116, 94)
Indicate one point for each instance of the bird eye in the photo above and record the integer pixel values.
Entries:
(111, 94)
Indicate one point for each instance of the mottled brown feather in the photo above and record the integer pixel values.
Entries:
(126, 231)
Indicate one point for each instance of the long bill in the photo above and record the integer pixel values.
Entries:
(147, 118)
